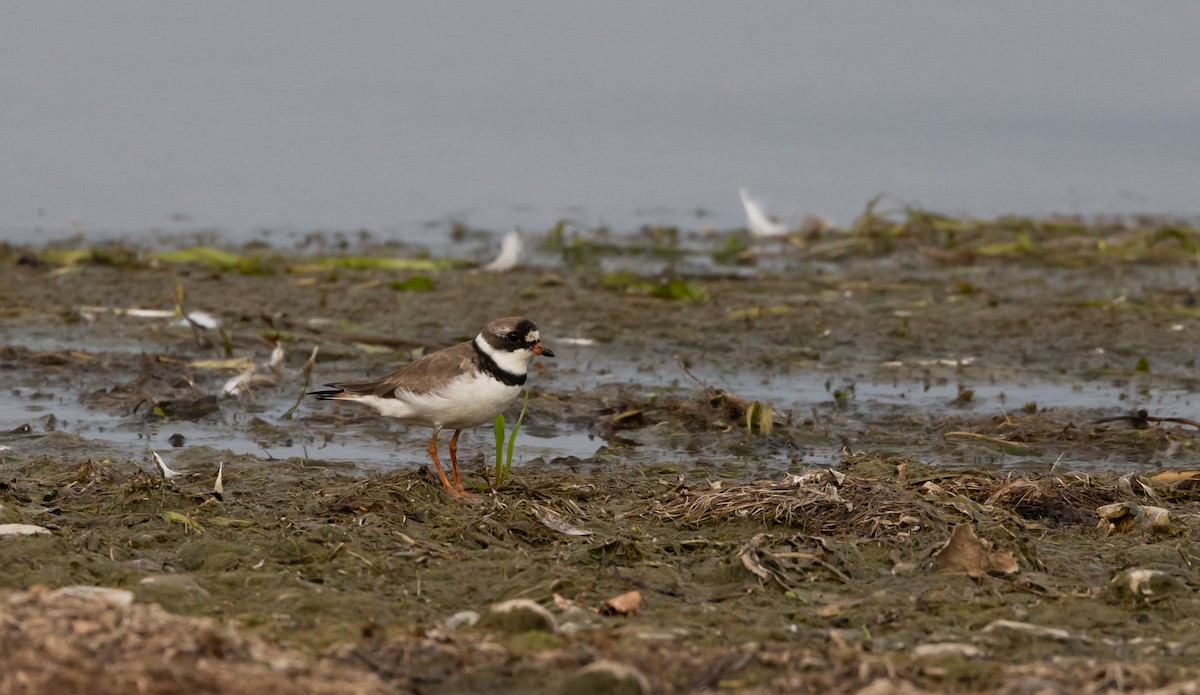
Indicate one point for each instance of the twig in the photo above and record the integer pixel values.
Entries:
(308, 369)
(1142, 419)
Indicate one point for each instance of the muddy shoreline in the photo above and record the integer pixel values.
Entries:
(933, 503)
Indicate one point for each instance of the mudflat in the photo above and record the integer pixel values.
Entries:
(925, 454)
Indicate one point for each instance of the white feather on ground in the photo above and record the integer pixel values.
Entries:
(510, 254)
(162, 467)
(219, 486)
(757, 221)
(201, 319)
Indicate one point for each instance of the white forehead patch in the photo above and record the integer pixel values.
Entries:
(532, 337)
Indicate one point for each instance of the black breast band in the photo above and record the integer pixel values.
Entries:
(498, 373)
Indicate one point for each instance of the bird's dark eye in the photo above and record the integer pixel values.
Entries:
(513, 337)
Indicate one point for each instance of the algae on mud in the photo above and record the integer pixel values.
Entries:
(759, 570)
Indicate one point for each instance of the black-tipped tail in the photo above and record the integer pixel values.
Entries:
(327, 395)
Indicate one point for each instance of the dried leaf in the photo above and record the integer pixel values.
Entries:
(176, 517)
(966, 552)
(563, 603)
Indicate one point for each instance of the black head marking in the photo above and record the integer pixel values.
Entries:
(512, 334)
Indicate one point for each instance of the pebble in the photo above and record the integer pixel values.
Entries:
(606, 678)
(520, 615)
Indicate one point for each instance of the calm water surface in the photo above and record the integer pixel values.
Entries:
(121, 118)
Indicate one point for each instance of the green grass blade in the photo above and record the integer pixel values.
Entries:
(512, 439)
(498, 430)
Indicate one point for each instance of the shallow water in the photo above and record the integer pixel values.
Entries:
(258, 428)
(873, 352)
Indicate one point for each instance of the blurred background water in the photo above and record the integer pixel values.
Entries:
(125, 117)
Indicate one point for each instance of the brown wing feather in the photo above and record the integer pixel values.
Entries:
(420, 376)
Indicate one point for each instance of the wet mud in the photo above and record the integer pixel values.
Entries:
(921, 455)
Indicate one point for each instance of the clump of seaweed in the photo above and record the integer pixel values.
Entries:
(870, 495)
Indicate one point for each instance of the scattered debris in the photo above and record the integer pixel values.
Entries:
(795, 501)
(268, 375)
(790, 564)
(1121, 517)
(1144, 584)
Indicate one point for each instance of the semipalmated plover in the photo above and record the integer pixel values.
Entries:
(465, 385)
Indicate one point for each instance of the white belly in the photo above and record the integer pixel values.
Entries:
(464, 403)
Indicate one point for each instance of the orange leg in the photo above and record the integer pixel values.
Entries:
(454, 461)
(438, 464)
(460, 492)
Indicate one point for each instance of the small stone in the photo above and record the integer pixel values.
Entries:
(520, 615)
(104, 594)
(21, 530)
(606, 678)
